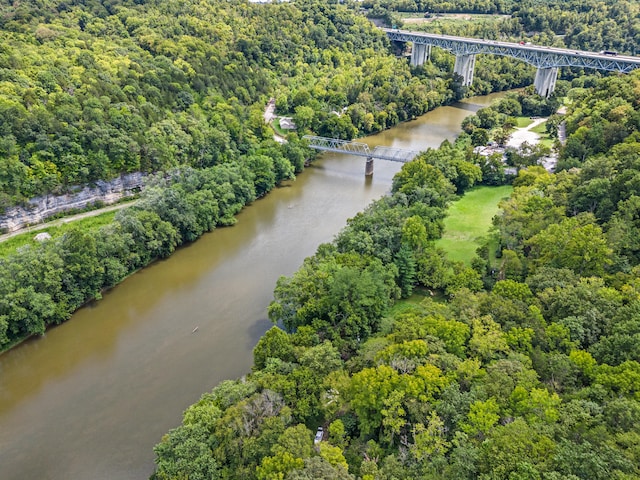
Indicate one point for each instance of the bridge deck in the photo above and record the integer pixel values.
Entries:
(360, 149)
(536, 55)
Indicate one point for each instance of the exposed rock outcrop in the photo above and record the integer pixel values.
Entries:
(41, 208)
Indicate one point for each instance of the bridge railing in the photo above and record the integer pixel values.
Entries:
(537, 55)
(337, 145)
(361, 149)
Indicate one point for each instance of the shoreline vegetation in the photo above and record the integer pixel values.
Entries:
(208, 136)
(511, 366)
(528, 368)
(495, 381)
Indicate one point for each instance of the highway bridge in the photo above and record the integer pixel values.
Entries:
(362, 150)
(546, 59)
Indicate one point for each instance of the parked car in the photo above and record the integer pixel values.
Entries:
(319, 435)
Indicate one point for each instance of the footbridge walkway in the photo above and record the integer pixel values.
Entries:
(362, 150)
(546, 59)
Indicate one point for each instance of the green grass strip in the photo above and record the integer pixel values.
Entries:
(469, 220)
(12, 244)
(275, 124)
(540, 128)
(523, 122)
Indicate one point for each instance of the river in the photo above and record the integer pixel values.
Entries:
(91, 398)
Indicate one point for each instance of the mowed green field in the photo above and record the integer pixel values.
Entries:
(469, 220)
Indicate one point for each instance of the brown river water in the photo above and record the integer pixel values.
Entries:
(91, 398)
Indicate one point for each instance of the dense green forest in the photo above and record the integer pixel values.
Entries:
(89, 90)
(527, 368)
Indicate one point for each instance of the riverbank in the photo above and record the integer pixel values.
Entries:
(80, 197)
(92, 397)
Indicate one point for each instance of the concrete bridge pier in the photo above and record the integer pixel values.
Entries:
(545, 81)
(420, 53)
(368, 168)
(464, 67)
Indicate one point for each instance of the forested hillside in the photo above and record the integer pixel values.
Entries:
(92, 89)
(89, 90)
(528, 368)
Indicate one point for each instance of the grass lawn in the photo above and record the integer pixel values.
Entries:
(469, 220)
(541, 128)
(90, 223)
(407, 304)
(523, 122)
(275, 124)
(546, 141)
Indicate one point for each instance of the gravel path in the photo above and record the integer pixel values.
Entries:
(521, 135)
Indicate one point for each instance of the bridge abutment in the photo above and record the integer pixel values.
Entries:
(420, 53)
(368, 167)
(464, 66)
(545, 81)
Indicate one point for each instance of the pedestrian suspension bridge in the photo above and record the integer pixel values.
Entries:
(362, 150)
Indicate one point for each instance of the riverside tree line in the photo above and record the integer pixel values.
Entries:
(89, 90)
(529, 368)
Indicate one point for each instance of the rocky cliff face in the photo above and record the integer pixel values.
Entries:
(40, 208)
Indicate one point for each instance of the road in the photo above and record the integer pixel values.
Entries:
(538, 55)
(525, 134)
(270, 116)
(69, 219)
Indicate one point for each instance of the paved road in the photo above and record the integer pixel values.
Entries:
(270, 116)
(69, 219)
(269, 111)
